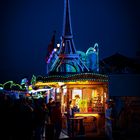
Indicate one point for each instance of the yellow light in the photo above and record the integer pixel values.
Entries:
(93, 93)
(79, 82)
(52, 84)
(104, 94)
(86, 115)
(30, 87)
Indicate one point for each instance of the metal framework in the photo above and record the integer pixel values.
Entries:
(68, 60)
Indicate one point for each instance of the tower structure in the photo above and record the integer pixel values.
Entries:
(68, 60)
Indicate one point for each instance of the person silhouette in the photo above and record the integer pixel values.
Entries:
(108, 119)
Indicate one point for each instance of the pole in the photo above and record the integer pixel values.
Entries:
(96, 48)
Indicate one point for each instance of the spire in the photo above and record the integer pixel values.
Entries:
(67, 30)
(67, 36)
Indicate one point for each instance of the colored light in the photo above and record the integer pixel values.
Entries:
(58, 45)
(55, 49)
(86, 115)
(58, 90)
(39, 90)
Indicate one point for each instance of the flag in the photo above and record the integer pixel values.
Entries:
(50, 46)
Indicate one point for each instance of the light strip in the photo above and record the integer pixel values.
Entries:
(86, 115)
(39, 90)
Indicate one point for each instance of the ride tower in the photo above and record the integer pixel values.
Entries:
(68, 61)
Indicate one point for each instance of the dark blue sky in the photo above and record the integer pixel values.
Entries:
(26, 27)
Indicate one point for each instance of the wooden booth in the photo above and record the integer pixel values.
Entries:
(82, 98)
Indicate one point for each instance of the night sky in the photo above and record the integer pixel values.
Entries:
(26, 28)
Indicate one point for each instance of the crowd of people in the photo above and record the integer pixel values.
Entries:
(25, 119)
(29, 119)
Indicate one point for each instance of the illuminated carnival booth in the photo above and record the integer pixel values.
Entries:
(86, 91)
